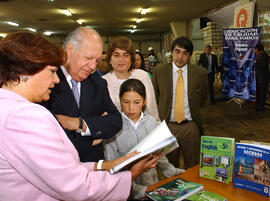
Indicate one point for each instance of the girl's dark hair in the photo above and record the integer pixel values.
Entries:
(133, 85)
(122, 43)
(25, 53)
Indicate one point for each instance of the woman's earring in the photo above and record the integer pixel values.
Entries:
(24, 78)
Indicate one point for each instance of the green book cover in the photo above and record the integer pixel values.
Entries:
(216, 158)
(205, 196)
(177, 189)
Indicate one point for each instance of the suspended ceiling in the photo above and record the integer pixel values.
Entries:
(109, 17)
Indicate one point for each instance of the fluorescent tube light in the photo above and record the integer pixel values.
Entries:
(3, 35)
(66, 12)
(13, 24)
(31, 29)
(144, 11)
(79, 21)
(47, 33)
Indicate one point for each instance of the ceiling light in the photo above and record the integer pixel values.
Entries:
(51, 0)
(47, 33)
(144, 11)
(79, 21)
(13, 24)
(66, 12)
(31, 29)
(3, 35)
(138, 20)
(134, 26)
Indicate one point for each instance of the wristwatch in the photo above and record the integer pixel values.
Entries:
(80, 129)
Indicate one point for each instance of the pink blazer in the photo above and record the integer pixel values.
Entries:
(114, 88)
(38, 162)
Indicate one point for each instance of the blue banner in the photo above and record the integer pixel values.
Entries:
(239, 79)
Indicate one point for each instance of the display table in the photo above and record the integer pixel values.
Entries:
(226, 190)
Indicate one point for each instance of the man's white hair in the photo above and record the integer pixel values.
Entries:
(76, 37)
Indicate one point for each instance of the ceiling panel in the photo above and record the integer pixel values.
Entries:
(109, 17)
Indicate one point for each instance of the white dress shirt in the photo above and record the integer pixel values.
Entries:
(69, 78)
(209, 68)
(175, 75)
(123, 80)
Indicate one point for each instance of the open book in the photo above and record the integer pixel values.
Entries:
(160, 140)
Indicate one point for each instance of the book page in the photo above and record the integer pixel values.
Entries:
(160, 133)
(164, 147)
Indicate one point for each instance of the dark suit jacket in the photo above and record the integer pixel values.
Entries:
(203, 61)
(94, 101)
(197, 91)
(262, 68)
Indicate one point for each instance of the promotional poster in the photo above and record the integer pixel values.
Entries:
(239, 80)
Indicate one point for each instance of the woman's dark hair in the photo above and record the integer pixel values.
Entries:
(25, 53)
(259, 47)
(183, 42)
(142, 59)
(122, 43)
(133, 85)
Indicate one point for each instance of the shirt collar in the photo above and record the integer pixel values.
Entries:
(67, 75)
(175, 68)
(131, 122)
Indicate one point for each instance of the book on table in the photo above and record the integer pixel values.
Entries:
(204, 195)
(177, 189)
(160, 140)
(252, 168)
(216, 158)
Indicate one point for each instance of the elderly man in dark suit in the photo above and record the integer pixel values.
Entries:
(209, 62)
(262, 75)
(181, 91)
(81, 102)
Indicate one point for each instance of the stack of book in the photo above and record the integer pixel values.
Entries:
(212, 35)
(180, 189)
(251, 161)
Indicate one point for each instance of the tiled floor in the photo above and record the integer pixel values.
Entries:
(228, 120)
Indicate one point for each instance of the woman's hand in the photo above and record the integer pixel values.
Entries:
(148, 162)
(97, 142)
(107, 165)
